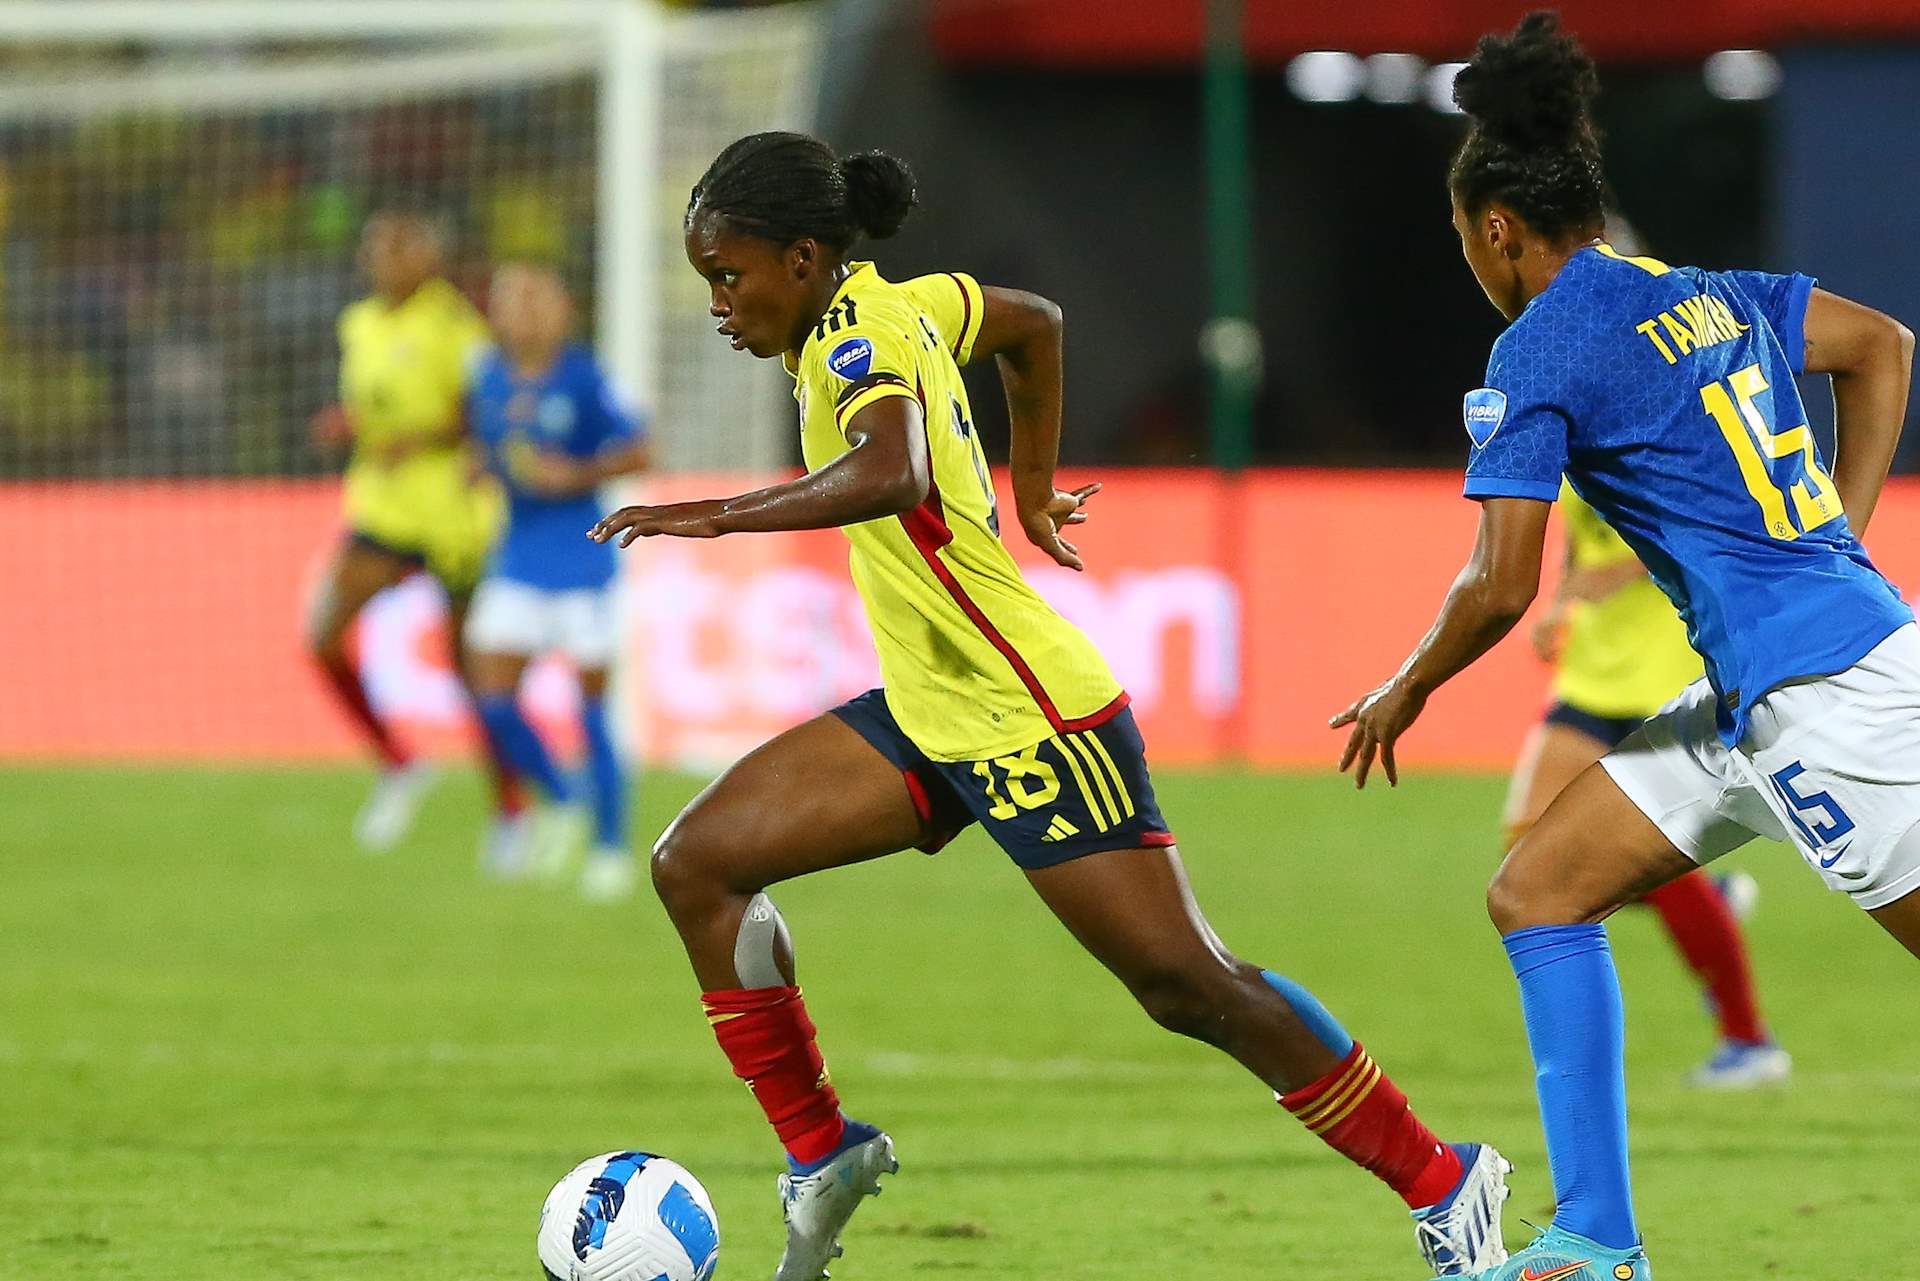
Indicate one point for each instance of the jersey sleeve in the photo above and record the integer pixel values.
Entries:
(954, 302)
(1783, 301)
(616, 420)
(1519, 422)
(858, 366)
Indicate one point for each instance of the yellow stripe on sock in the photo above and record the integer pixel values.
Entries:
(1099, 781)
(1119, 783)
(1337, 1092)
(1371, 1079)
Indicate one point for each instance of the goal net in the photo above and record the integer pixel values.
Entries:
(182, 187)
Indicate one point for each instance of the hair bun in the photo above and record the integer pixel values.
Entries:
(880, 192)
(1532, 89)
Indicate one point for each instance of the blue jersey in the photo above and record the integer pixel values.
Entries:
(1666, 397)
(569, 409)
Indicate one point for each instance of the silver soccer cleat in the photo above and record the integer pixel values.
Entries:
(817, 1206)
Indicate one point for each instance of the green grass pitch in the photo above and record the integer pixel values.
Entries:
(232, 1046)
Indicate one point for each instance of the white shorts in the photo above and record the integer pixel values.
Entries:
(1830, 764)
(511, 617)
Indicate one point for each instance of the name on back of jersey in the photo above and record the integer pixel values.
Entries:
(1692, 323)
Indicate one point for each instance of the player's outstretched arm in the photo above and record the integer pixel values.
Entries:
(1488, 598)
(885, 473)
(1870, 355)
(1023, 331)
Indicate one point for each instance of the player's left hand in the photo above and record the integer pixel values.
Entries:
(675, 520)
(1378, 720)
(1044, 523)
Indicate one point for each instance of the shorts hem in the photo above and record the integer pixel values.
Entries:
(412, 555)
(1872, 900)
(1119, 841)
(1689, 848)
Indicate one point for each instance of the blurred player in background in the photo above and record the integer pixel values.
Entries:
(411, 500)
(1666, 395)
(553, 430)
(1621, 654)
(995, 709)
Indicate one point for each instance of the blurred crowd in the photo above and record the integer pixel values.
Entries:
(168, 285)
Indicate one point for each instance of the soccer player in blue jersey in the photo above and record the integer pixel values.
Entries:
(1666, 396)
(554, 431)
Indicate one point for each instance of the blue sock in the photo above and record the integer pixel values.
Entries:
(520, 744)
(1322, 1024)
(1576, 1027)
(608, 774)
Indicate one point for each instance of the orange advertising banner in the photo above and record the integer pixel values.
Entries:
(164, 621)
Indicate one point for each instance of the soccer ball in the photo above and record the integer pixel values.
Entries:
(628, 1216)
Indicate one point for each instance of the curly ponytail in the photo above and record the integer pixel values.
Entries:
(1533, 145)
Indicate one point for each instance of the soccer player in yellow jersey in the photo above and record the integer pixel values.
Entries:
(411, 498)
(1622, 654)
(995, 709)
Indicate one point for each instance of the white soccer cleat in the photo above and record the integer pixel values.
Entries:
(817, 1206)
(1741, 892)
(559, 835)
(1740, 1065)
(506, 850)
(1461, 1235)
(609, 876)
(389, 813)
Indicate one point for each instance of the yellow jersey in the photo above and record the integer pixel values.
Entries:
(975, 664)
(1625, 655)
(403, 372)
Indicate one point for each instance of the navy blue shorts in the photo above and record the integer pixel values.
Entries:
(1069, 795)
(1611, 730)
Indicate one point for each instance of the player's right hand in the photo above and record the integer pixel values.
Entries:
(1044, 523)
(330, 428)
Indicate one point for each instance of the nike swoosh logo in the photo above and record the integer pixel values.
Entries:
(1837, 855)
(1553, 1274)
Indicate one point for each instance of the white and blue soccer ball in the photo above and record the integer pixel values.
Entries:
(628, 1216)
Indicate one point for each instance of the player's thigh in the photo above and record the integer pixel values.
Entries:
(1591, 852)
(1134, 911)
(1552, 757)
(492, 673)
(358, 572)
(1901, 918)
(816, 797)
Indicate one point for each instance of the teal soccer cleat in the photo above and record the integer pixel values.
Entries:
(1559, 1255)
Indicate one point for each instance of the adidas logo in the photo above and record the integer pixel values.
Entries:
(1058, 830)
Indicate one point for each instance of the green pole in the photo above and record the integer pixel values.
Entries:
(1230, 344)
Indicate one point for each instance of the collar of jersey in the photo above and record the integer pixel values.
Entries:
(791, 360)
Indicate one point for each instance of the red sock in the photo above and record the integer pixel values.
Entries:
(1364, 1117)
(344, 680)
(1704, 929)
(769, 1040)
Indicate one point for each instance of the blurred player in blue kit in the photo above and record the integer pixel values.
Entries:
(1666, 397)
(553, 429)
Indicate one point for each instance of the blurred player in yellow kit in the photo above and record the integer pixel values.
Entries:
(412, 498)
(1622, 654)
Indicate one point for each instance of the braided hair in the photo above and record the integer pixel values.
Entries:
(785, 187)
(1533, 145)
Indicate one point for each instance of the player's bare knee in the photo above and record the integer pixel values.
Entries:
(681, 875)
(1519, 898)
(1183, 1003)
